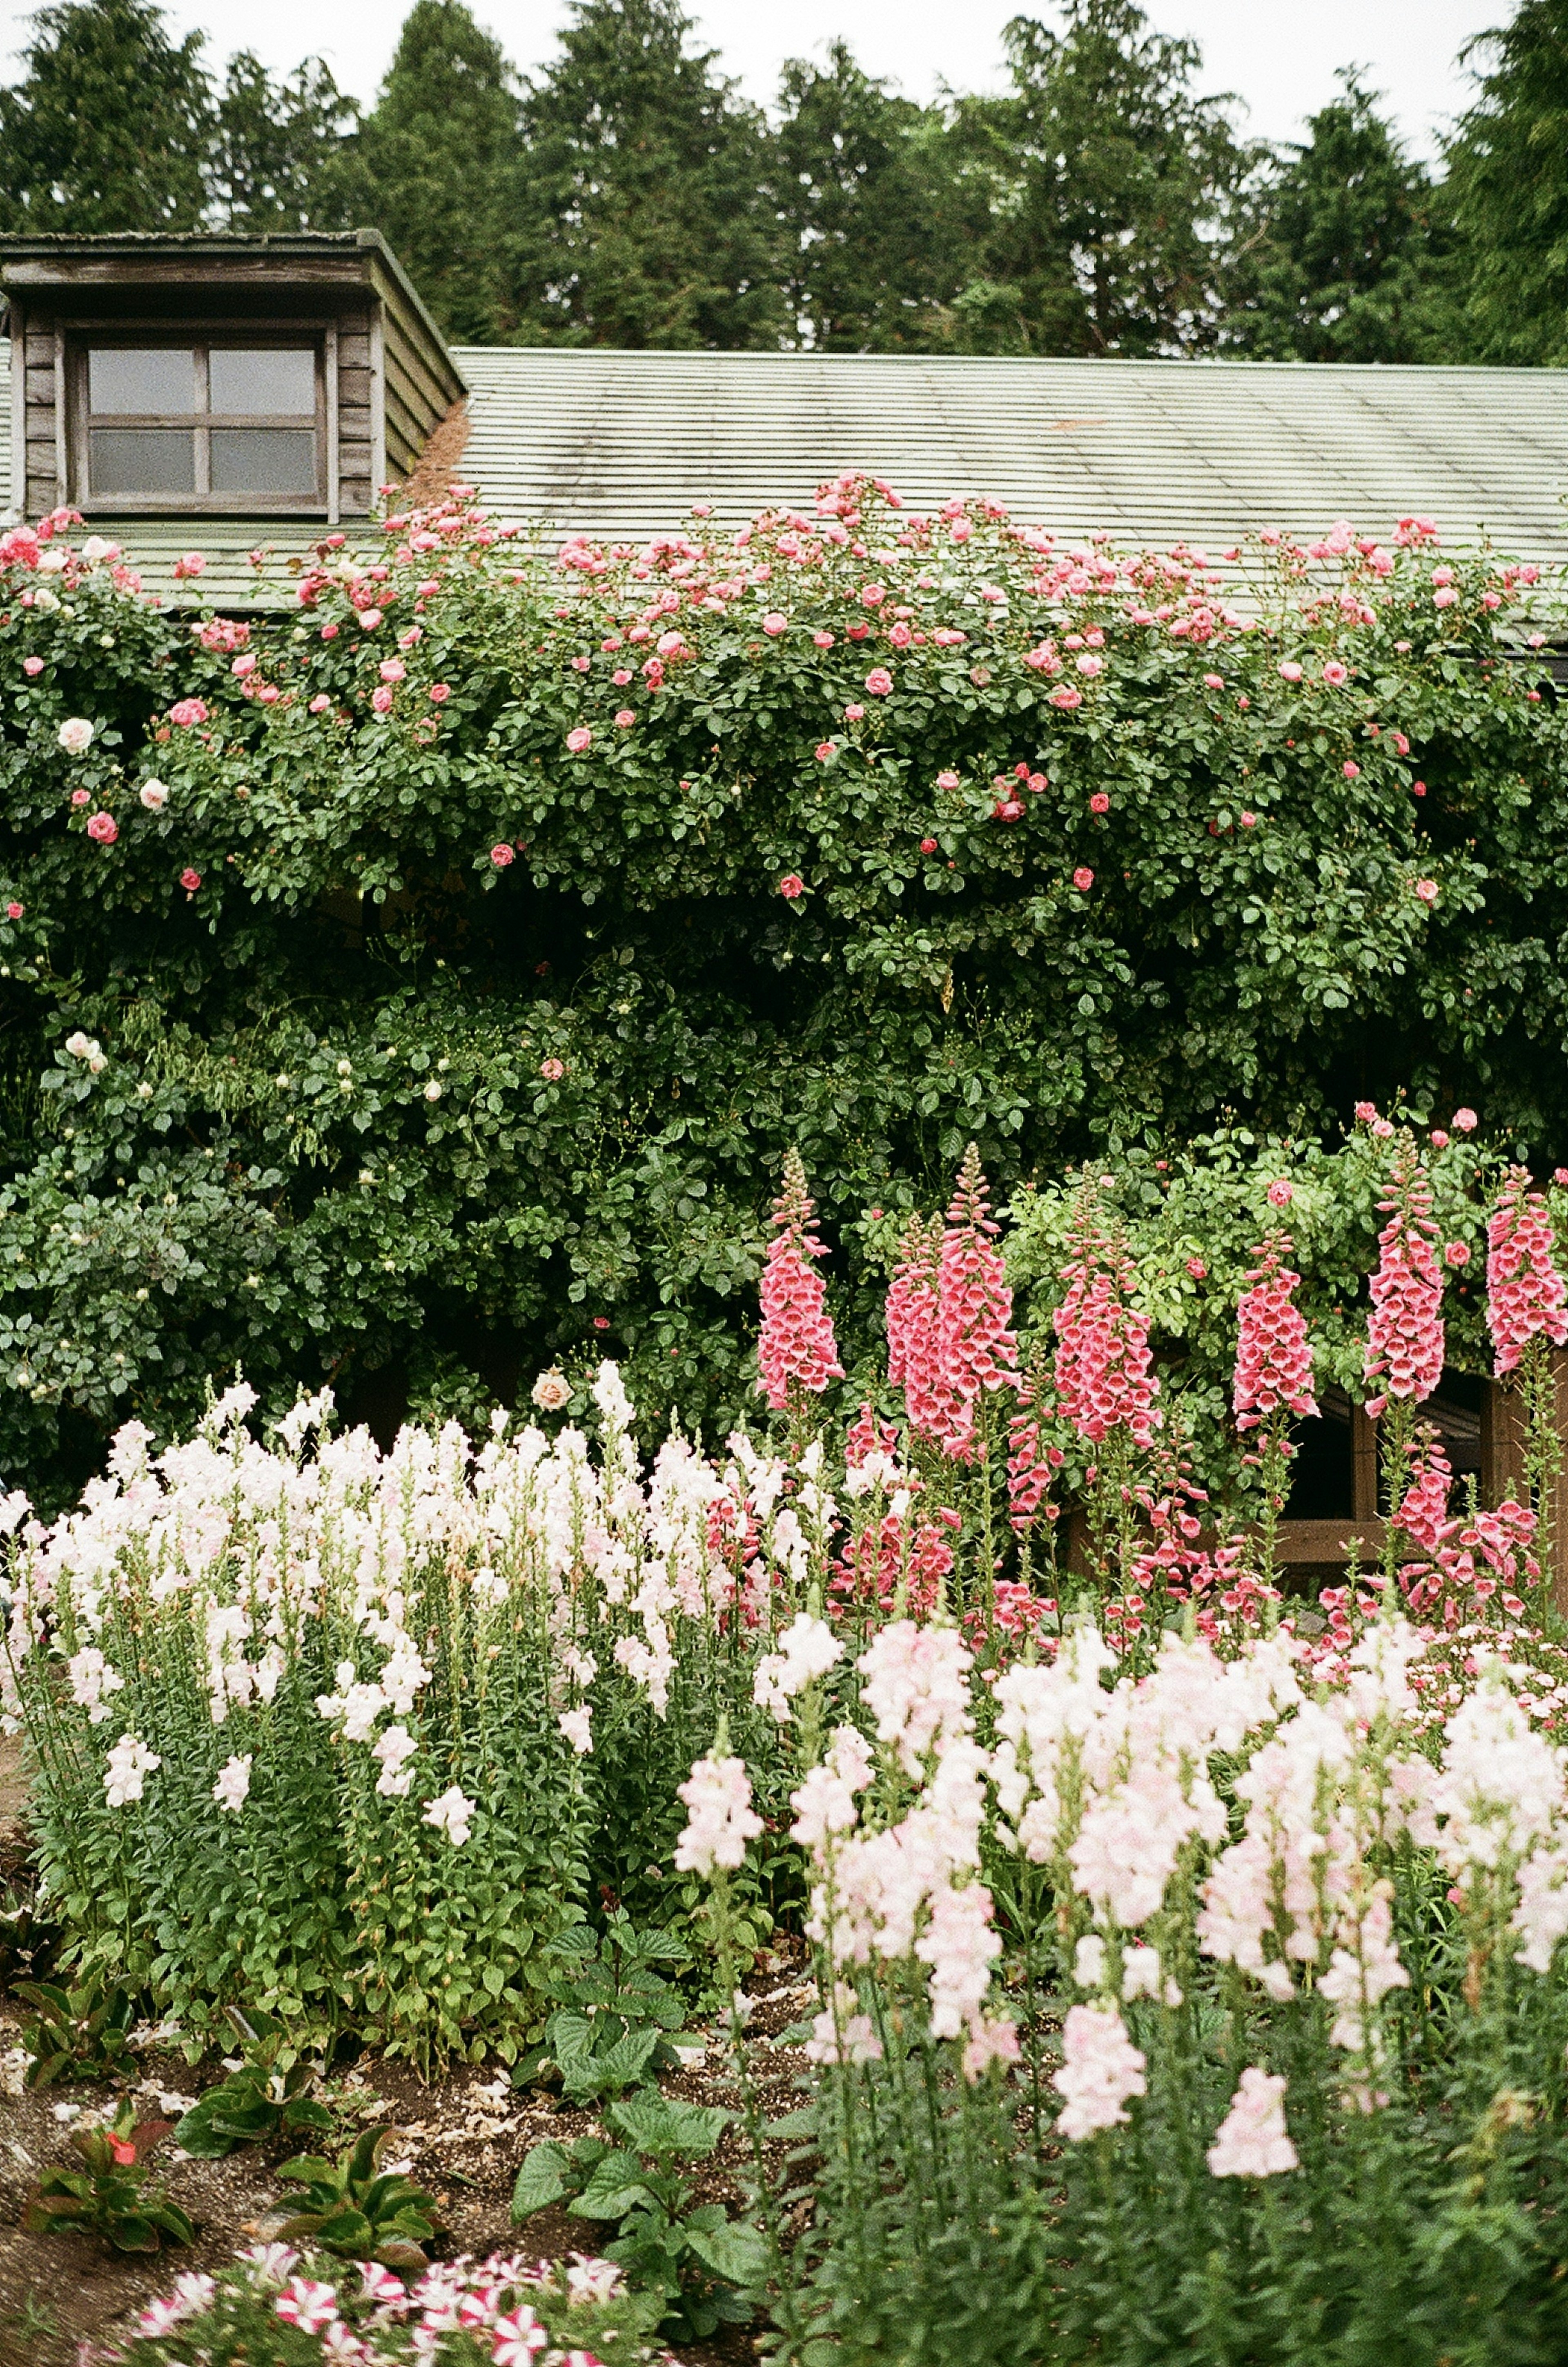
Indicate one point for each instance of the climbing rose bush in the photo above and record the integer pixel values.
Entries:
(464, 940)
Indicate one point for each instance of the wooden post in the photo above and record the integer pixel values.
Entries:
(1363, 1467)
(1503, 1444)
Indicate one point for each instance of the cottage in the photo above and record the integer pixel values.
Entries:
(230, 392)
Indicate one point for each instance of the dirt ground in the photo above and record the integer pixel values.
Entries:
(463, 2137)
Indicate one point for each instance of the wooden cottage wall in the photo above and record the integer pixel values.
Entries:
(419, 384)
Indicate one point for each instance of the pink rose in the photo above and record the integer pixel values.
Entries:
(13, 911)
(502, 854)
(624, 717)
(879, 682)
(369, 618)
(578, 740)
(1289, 671)
(188, 712)
(1440, 1138)
(552, 1068)
(823, 641)
(439, 693)
(947, 780)
(32, 665)
(791, 886)
(1366, 1112)
(1213, 682)
(1007, 809)
(621, 676)
(192, 563)
(855, 715)
(1083, 879)
(1089, 665)
(1335, 674)
(825, 749)
(1249, 821)
(1066, 698)
(381, 698)
(190, 881)
(1427, 891)
(1382, 1128)
(1197, 1269)
(1444, 598)
(1099, 802)
(927, 846)
(331, 632)
(1280, 1194)
(320, 703)
(1352, 772)
(244, 665)
(81, 797)
(104, 828)
(392, 670)
(774, 624)
(1466, 1120)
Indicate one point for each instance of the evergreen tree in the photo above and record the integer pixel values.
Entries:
(1508, 186)
(437, 168)
(111, 128)
(656, 224)
(872, 210)
(1111, 184)
(278, 153)
(1346, 256)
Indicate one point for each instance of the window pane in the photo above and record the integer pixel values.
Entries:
(263, 460)
(136, 378)
(266, 381)
(142, 460)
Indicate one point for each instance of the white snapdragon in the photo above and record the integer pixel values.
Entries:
(451, 1813)
(125, 1770)
(808, 1650)
(92, 1679)
(721, 1819)
(394, 1748)
(234, 1784)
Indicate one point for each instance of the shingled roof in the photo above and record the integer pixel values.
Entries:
(620, 446)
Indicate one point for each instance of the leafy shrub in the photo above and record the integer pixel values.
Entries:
(359, 2210)
(468, 1046)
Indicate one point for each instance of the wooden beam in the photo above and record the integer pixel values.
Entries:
(1363, 1465)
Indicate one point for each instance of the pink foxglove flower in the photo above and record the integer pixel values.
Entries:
(1405, 1337)
(911, 1319)
(1104, 1372)
(1273, 1357)
(1526, 1297)
(1252, 2141)
(1102, 2068)
(977, 1350)
(796, 1343)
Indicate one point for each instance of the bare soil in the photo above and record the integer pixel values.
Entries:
(463, 2136)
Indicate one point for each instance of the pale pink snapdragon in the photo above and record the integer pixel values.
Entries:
(1101, 2070)
(721, 1819)
(808, 1650)
(825, 1802)
(451, 1813)
(1253, 2141)
(917, 1687)
(1363, 1969)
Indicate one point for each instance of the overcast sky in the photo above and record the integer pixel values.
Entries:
(1280, 55)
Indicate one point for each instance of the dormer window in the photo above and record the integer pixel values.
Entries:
(200, 423)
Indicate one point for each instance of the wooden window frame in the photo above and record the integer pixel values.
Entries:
(198, 338)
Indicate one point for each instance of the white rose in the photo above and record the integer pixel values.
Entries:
(76, 735)
(153, 796)
(432, 1092)
(54, 561)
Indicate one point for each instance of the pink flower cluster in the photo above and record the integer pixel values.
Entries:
(797, 1344)
(1104, 1372)
(1273, 1356)
(949, 1319)
(1405, 1337)
(1526, 1296)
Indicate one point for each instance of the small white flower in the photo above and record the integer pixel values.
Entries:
(452, 1815)
(76, 735)
(551, 1391)
(432, 1091)
(129, 1762)
(234, 1783)
(153, 795)
(577, 1725)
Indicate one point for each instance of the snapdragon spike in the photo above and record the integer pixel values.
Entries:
(1105, 1374)
(977, 1350)
(1526, 1296)
(1273, 1354)
(1405, 1337)
(796, 1343)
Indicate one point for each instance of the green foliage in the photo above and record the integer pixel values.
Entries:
(1346, 261)
(1507, 190)
(697, 2256)
(278, 158)
(80, 2034)
(611, 2031)
(438, 168)
(647, 176)
(1109, 178)
(327, 1137)
(358, 2210)
(267, 2096)
(109, 2197)
(109, 128)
